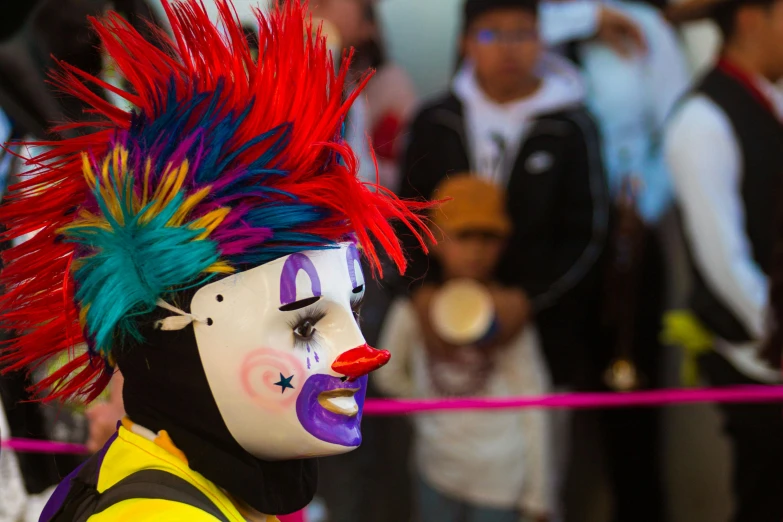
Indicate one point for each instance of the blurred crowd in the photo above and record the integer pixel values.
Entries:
(573, 140)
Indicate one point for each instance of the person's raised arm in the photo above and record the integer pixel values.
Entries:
(563, 21)
(668, 78)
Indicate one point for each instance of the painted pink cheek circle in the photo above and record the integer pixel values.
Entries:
(261, 369)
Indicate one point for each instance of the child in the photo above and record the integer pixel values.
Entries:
(473, 466)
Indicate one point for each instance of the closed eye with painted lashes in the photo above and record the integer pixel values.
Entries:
(303, 326)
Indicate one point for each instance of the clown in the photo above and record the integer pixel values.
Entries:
(207, 244)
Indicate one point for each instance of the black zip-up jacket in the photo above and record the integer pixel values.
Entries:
(557, 199)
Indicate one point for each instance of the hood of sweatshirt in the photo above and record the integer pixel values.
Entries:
(562, 87)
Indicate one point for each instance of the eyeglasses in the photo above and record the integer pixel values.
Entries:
(493, 36)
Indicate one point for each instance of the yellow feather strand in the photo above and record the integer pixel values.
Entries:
(123, 175)
(92, 222)
(104, 181)
(154, 201)
(180, 179)
(187, 207)
(83, 315)
(86, 214)
(89, 173)
(220, 267)
(165, 189)
(124, 159)
(172, 181)
(174, 184)
(109, 195)
(85, 219)
(145, 197)
(115, 166)
(209, 222)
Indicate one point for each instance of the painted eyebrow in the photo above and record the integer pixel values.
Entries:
(352, 257)
(298, 305)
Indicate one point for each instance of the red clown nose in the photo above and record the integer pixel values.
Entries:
(360, 361)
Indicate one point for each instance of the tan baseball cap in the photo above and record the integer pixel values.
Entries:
(471, 204)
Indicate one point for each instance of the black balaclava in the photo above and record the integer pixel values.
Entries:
(166, 388)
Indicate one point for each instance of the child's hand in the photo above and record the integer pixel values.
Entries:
(513, 311)
(437, 348)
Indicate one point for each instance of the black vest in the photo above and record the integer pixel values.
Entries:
(760, 138)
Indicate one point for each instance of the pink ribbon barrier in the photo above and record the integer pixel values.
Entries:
(734, 394)
(299, 516)
(43, 446)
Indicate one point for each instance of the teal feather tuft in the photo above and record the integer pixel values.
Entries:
(132, 262)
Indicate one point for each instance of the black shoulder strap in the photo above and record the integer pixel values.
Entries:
(160, 485)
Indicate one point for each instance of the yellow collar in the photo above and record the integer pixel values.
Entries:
(161, 447)
(161, 439)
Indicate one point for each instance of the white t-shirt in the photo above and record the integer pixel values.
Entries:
(13, 496)
(491, 458)
(15, 504)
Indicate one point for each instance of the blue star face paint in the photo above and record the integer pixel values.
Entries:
(285, 383)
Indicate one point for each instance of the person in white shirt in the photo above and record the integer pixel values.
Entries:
(13, 495)
(472, 466)
(16, 505)
(724, 147)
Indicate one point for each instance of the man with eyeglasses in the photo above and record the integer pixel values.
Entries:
(515, 115)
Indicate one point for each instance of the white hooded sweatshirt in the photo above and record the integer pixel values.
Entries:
(496, 131)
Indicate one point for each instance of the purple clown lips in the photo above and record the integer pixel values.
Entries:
(325, 423)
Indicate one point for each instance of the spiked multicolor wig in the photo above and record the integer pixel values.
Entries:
(226, 163)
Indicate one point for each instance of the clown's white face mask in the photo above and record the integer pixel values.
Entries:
(284, 356)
